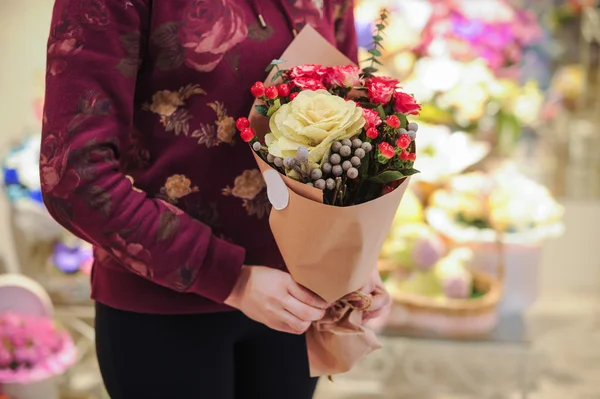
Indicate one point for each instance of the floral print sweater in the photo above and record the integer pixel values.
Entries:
(140, 155)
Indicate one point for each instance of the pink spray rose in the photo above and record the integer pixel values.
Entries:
(372, 118)
(406, 104)
(381, 89)
(343, 76)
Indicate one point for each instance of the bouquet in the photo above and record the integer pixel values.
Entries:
(336, 149)
(32, 348)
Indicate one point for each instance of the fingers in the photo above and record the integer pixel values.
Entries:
(301, 310)
(380, 301)
(306, 296)
(291, 324)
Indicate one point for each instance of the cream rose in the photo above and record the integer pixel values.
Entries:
(314, 119)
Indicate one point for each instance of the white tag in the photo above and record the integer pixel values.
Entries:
(277, 191)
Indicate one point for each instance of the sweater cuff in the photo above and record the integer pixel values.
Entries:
(220, 270)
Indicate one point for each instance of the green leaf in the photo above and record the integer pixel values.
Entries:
(369, 70)
(378, 38)
(278, 75)
(273, 64)
(262, 110)
(387, 177)
(410, 172)
(375, 52)
(376, 61)
(274, 107)
(403, 120)
(380, 26)
(381, 111)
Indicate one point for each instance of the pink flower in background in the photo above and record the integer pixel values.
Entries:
(209, 29)
(32, 348)
(66, 39)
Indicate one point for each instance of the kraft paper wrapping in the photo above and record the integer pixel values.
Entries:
(333, 251)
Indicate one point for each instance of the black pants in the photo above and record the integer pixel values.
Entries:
(210, 356)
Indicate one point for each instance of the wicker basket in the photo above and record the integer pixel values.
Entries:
(448, 318)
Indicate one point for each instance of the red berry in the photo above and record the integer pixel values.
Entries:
(393, 121)
(247, 134)
(372, 133)
(294, 95)
(404, 141)
(412, 157)
(387, 190)
(387, 150)
(272, 92)
(242, 123)
(258, 90)
(404, 155)
(284, 90)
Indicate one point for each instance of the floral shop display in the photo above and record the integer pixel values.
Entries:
(335, 144)
(443, 297)
(473, 69)
(476, 209)
(434, 288)
(34, 350)
(21, 182)
(66, 275)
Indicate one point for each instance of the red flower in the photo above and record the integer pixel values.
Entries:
(387, 150)
(404, 141)
(284, 90)
(248, 134)
(372, 118)
(406, 104)
(66, 39)
(372, 133)
(343, 76)
(412, 157)
(404, 155)
(393, 121)
(132, 254)
(56, 179)
(293, 95)
(381, 89)
(209, 29)
(312, 71)
(308, 84)
(94, 12)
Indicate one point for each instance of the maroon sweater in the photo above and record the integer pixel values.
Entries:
(140, 154)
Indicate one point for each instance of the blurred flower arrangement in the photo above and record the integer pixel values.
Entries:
(32, 349)
(464, 64)
(475, 207)
(21, 181)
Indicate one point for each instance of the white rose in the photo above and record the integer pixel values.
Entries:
(314, 119)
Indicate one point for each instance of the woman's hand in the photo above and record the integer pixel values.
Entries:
(271, 297)
(380, 298)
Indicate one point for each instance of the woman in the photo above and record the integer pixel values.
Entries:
(140, 157)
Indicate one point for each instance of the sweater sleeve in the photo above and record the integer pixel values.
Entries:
(94, 53)
(346, 38)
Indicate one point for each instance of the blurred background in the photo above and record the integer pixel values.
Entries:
(493, 259)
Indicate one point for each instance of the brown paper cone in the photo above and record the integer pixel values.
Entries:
(330, 250)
